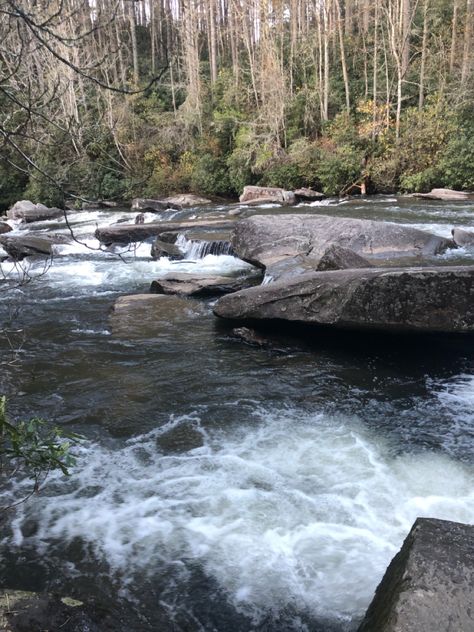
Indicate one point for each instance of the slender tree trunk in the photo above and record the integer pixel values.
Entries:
(421, 97)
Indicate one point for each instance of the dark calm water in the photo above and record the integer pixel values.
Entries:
(225, 487)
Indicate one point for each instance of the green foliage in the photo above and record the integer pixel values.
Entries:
(33, 448)
(210, 175)
(339, 168)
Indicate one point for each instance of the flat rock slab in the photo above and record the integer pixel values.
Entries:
(429, 585)
(437, 299)
(139, 316)
(128, 233)
(266, 239)
(153, 206)
(192, 285)
(449, 195)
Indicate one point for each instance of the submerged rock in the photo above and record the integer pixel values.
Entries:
(31, 244)
(449, 195)
(437, 299)
(428, 586)
(180, 437)
(22, 611)
(266, 239)
(195, 285)
(462, 237)
(260, 195)
(28, 212)
(138, 316)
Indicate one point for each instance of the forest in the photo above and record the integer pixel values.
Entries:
(109, 100)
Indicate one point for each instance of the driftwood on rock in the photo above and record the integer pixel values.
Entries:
(436, 299)
(265, 239)
(127, 233)
(428, 586)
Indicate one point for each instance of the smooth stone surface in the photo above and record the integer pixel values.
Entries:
(429, 584)
(446, 195)
(267, 194)
(127, 233)
(31, 244)
(138, 316)
(26, 211)
(193, 285)
(266, 239)
(397, 299)
(462, 237)
(187, 200)
(338, 258)
(5, 228)
(164, 249)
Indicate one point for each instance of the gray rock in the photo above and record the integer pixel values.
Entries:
(308, 195)
(164, 249)
(192, 285)
(338, 258)
(266, 239)
(182, 437)
(437, 299)
(462, 237)
(186, 200)
(28, 212)
(428, 586)
(290, 267)
(141, 316)
(153, 206)
(31, 244)
(5, 228)
(267, 194)
(128, 233)
(449, 195)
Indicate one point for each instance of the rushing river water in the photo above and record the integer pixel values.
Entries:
(221, 486)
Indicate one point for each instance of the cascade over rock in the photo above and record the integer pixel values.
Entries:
(435, 299)
(266, 239)
(428, 586)
(127, 233)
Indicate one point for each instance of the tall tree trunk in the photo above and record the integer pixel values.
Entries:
(421, 97)
(467, 51)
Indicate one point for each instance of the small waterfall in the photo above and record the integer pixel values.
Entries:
(198, 249)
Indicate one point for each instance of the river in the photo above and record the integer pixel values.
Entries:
(222, 486)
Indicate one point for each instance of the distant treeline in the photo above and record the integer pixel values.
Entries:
(111, 99)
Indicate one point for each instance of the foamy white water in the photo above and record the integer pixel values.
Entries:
(291, 509)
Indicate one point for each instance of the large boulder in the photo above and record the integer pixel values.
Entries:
(448, 195)
(259, 195)
(26, 211)
(437, 299)
(128, 233)
(199, 285)
(31, 244)
(428, 586)
(266, 239)
(463, 237)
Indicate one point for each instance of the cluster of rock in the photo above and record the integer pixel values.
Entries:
(255, 195)
(350, 273)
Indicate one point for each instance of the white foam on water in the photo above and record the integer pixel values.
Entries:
(457, 395)
(289, 510)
